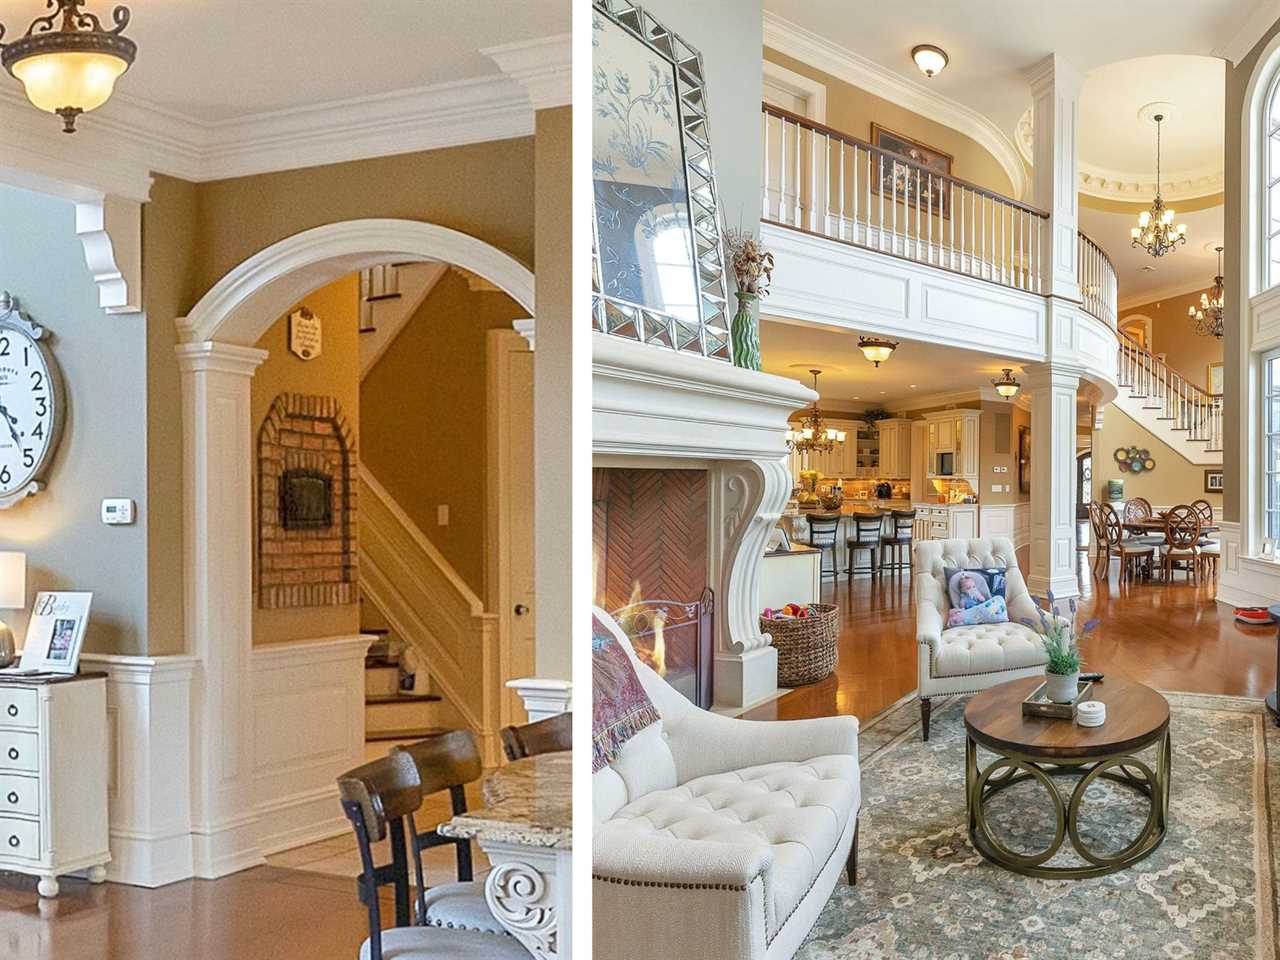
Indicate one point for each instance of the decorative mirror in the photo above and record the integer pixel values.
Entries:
(658, 272)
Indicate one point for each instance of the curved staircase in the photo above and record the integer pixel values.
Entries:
(1169, 405)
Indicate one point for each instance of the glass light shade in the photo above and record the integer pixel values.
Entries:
(929, 59)
(807, 433)
(80, 80)
(13, 580)
(1168, 216)
(840, 435)
(1135, 233)
(876, 353)
(1144, 218)
(1006, 389)
(1182, 229)
(831, 433)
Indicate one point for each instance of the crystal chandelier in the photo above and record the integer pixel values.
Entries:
(814, 434)
(1206, 318)
(1155, 231)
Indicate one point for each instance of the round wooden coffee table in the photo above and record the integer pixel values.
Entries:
(1032, 748)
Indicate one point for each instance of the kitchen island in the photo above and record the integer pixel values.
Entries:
(934, 521)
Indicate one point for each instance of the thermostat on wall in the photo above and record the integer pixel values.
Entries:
(117, 511)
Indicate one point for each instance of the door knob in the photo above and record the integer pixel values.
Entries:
(521, 609)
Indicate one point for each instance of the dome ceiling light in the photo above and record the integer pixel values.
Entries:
(1006, 385)
(70, 68)
(876, 349)
(1155, 231)
(1206, 319)
(930, 59)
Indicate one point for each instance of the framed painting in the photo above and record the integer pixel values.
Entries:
(908, 181)
(1024, 459)
(1214, 481)
(1213, 378)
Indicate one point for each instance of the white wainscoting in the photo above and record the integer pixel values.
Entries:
(308, 727)
(1012, 520)
(1244, 581)
(149, 773)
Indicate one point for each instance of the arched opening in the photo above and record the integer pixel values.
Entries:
(218, 360)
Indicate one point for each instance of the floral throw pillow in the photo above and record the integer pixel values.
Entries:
(972, 587)
(991, 611)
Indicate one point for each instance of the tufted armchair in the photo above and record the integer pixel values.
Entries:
(969, 659)
(717, 838)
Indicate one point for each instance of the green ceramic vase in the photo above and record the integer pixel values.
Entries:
(746, 334)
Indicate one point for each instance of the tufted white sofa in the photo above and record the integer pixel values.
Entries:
(969, 659)
(716, 838)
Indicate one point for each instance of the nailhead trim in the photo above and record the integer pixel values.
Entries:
(621, 881)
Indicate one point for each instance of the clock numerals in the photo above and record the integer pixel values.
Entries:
(38, 432)
(5, 475)
(37, 381)
(42, 406)
(4, 349)
(28, 458)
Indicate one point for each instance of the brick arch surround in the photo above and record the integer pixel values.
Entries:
(312, 566)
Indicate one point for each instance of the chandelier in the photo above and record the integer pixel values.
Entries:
(814, 434)
(71, 67)
(1155, 231)
(1206, 319)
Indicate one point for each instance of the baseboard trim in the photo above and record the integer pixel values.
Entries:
(149, 860)
(300, 819)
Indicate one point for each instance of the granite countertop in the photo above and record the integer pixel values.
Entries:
(795, 550)
(527, 802)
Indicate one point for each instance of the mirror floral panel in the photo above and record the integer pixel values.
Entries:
(658, 266)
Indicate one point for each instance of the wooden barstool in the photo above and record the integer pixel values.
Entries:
(544, 736)
(823, 529)
(903, 522)
(866, 536)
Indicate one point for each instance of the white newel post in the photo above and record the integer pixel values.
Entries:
(1053, 480)
(218, 538)
(1055, 92)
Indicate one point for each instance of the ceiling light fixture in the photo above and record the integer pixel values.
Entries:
(930, 59)
(1006, 385)
(72, 67)
(814, 434)
(1207, 317)
(876, 349)
(1155, 231)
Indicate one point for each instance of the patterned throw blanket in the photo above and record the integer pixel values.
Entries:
(619, 706)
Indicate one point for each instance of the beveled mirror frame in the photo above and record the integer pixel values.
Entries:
(636, 321)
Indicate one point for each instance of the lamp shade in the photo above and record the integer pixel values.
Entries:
(13, 580)
(76, 79)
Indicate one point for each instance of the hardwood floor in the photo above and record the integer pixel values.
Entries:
(1169, 636)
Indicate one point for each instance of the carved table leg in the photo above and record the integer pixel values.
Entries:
(47, 887)
(527, 891)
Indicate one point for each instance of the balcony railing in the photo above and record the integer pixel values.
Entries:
(1175, 398)
(822, 181)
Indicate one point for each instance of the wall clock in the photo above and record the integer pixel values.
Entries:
(31, 404)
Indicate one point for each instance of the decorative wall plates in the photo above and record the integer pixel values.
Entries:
(1134, 459)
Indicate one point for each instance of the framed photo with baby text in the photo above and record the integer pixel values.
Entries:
(55, 632)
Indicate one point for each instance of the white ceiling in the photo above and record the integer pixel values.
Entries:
(1191, 267)
(916, 369)
(214, 60)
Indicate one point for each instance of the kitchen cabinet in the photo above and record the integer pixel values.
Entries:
(954, 432)
(946, 521)
(895, 449)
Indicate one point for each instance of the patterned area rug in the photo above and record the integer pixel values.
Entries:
(924, 893)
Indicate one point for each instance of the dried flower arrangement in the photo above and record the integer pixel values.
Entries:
(752, 264)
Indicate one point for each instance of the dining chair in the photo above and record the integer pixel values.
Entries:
(1101, 556)
(823, 528)
(379, 798)
(867, 530)
(1139, 508)
(543, 736)
(1133, 554)
(1205, 511)
(1182, 541)
(902, 523)
(1210, 549)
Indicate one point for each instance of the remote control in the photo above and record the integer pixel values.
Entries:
(1091, 677)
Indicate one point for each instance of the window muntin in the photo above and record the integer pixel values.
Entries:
(1271, 444)
(1271, 183)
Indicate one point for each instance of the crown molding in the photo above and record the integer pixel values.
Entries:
(808, 47)
(1160, 293)
(1251, 26)
(542, 67)
(1124, 186)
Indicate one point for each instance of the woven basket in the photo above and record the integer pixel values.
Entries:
(807, 648)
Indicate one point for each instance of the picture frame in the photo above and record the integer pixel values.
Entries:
(1268, 550)
(1024, 459)
(1214, 481)
(1213, 378)
(55, 632)
(912, 184)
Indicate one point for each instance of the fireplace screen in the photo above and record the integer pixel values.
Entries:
(675, 640)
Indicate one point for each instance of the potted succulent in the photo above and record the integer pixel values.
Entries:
(1061, 642)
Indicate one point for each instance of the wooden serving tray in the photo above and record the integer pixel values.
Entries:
(1037, 705)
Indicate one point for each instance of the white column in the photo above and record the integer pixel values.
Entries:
(1055, 92)
(1053, 480)
(217, 444)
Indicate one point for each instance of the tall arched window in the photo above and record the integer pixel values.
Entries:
(1271, 183)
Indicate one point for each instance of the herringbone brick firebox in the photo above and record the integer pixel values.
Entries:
(306, 504)
(649, 533)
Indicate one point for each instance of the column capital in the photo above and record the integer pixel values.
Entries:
(1053, 70)
(211, 355)
(1062, 375)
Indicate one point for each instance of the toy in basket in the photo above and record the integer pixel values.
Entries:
(806, 637)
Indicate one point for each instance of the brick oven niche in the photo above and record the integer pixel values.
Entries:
(306, 504)
(649, 539)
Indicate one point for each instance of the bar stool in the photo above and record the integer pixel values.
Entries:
(866, 536)
(904, 522)
(822, 534)
(543, 736)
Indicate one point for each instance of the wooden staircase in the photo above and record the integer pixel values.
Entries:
(1173, 408)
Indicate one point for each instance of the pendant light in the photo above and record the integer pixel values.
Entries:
(876, 349)
(70, 68)
(1155, 231)
(1206, 319)
(814, 435)
(1006, 385)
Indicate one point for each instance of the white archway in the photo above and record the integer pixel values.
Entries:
(217, 361)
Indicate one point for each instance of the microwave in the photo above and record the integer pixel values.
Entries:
(946, 464)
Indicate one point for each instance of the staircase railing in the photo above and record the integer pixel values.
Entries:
(1173, 396)
(830, 183)
(427, 604)
(1097, 278)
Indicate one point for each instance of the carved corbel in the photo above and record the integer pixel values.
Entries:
(111, 231)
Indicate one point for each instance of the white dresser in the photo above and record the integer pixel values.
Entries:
(53, 778)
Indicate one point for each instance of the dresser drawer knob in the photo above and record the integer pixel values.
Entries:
(13, 840)
(13, 753)
(13, 710)
(13, 797)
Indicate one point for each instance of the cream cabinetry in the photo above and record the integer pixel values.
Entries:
(935, 521)
(53, 778)
(953, 436)
(895, 449)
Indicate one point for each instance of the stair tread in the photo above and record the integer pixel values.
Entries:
(402, 696)
(406, 733)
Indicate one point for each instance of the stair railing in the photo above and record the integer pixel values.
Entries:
(1097, 278)
(1173, 396)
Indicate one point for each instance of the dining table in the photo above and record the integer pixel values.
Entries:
(525, 829)
(1155, 524)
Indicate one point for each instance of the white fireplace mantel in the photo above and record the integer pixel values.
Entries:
(652, 406)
